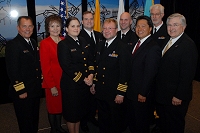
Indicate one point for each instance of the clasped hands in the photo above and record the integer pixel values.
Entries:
(89, 80)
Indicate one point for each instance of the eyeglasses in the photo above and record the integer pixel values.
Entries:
(25, 26)
(108, 28)
(157, 14)
(173, 25)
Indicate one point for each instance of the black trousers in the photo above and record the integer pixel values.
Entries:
(139, 116)
(109, 116)
(172, 118)
(27, 113)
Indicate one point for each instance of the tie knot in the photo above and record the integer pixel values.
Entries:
(77, 41)
(155, 30)
(123, 35)
(106, 45)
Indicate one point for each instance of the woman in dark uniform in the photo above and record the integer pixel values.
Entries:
(77, 76)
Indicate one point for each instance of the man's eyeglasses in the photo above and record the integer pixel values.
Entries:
(173, 25)
(108, 28)
(157, 14)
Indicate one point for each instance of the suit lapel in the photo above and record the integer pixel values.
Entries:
(174, 46)
(143, 45)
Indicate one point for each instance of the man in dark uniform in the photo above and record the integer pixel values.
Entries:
(112, 74)
(92, 37)
(159, 31)
(160, 35)
(23, 68)
(126, 34)
(128, 37)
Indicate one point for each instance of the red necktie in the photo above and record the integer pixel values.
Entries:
(136, 47)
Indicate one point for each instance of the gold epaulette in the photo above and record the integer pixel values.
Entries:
(19, 86)
(122, 87)
(91, 67)
(78, 76)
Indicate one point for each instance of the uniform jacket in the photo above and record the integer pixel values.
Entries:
(98, 37)
(112, 72)
(51, 69)
(129, 39)
(23, 67)
(75, 61)
(145, 63)
(176, 71)
(161, 36)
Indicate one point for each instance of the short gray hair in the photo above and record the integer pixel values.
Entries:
(181, 17)
(157, 6)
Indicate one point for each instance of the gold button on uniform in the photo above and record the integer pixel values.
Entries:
(103, 76)
(82, 52)
(104, 68)
(86, 71)
(85, 64)
(102, 82)
(84, 58)
(36, 69)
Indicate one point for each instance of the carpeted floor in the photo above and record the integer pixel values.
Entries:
(8, 123)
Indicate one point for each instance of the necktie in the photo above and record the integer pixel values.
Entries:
(92, 38)
(77, 41)
(155, 30)
(123, 36)
(106, 45)
(136, 47)
(169, 44)
(29, 42)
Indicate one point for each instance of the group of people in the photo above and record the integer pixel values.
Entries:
(125, 75)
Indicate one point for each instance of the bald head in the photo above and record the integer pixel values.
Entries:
(125, 22)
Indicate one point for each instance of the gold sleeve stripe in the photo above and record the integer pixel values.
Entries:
(91, 67)
(122, 87)
(78, 76)
(19, 86)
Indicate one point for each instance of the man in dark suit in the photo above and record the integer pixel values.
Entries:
(175, 76)
(112, 75)
(126, 34)
(92, 37)
(159, 31)
(23, 68)
(146, 56)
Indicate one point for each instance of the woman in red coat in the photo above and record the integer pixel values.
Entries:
(52, 71)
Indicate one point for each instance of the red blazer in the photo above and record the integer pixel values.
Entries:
(51, 69)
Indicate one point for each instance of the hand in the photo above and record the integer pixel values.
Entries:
(92, 89)
(176, 101)
(88, 81)
(54, 91)
(119, 99)
(141, 98)
(22, 96)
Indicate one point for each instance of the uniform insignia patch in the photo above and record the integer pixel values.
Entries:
(73, 50)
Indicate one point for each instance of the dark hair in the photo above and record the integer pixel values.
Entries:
(52, 18)
(69, 20)
(25, 17)
(87, 12)
(148, 19)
